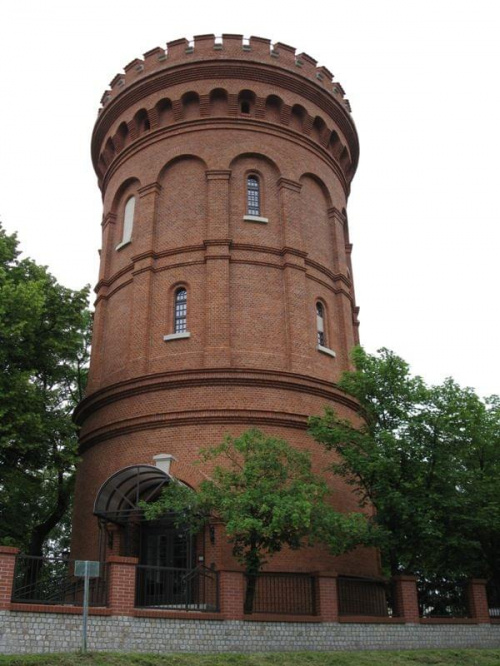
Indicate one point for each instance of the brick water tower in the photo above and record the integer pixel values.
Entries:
(225, 298)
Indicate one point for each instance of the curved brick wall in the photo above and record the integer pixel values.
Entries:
(181, 131)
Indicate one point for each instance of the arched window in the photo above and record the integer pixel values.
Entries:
(128, 221)
(245, 107)
(180, 311)
(320, 323)
(253, 196)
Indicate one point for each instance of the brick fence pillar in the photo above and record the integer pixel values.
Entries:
(231, 594)
(121, 584)
(7, 568)
(327, 601)
(478, 600)
(406, 598)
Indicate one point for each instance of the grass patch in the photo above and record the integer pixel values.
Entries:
(369, 658)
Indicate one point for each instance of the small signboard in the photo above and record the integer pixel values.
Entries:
(87, 568)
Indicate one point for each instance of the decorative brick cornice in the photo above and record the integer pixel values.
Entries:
(210, 257)
(216, 241)
(335, 213)
(212, 378)
(218, 174)
(298, 267)
(110, 293)
(335, 277)
(104, 285)
(287, 184)
(199, 70)
(161, 421)
(330, 287)
(185, 126)
(151, 188)
(109, 218)
(292, 250)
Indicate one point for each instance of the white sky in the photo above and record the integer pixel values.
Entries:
(423, 81)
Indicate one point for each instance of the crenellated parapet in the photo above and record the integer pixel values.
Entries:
(210, 47)
(174, 86)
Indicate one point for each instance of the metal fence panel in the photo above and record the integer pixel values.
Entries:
(174, 588)
(493, 592)
(365, 597)
(51, 580)
(284, 593)
(443, 598)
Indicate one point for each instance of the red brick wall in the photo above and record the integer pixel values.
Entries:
(121, 584)
(406, 598)
(7, 568)
(478, 600)
(251, 360)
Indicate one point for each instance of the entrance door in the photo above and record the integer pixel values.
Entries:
(165, 547)
(166, 556)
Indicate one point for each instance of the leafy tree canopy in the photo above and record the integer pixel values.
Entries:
(267, 496)
(44, 337)
(428, 459)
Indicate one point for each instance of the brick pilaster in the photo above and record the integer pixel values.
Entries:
(327, 601)
(121, 584)
(406, 598)
(231, 594)
(217, 271)
(478, 601)
(298, 330)
(7, 568)
(341, 262)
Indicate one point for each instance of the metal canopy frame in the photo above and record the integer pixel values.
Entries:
(118, 498)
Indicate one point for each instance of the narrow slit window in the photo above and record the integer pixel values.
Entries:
(253, 196)
(128, 220)
(320, 324)
(180, 311)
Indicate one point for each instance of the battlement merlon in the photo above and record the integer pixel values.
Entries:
(211, 47)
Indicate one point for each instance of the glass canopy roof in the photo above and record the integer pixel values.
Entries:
(118, 498)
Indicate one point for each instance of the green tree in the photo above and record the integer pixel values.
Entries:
(427, 458)
(44, 338)
(479, 486)
(267, 496)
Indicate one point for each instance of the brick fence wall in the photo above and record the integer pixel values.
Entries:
(26, 628)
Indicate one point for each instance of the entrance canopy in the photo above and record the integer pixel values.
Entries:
(118, 498)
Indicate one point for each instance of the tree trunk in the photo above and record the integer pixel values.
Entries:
(41, 531)
(253, 565)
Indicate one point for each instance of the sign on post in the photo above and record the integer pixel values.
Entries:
(86, 569)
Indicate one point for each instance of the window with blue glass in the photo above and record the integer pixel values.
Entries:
(253, 196)
(180, 310)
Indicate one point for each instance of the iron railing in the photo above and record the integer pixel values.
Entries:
(366, 597)
(493, 593)
(443, 598)
(51, 580)
(284, 593)
(182, 589)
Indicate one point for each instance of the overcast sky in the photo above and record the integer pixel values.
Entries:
(423, 81)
